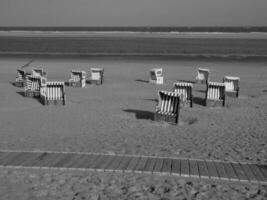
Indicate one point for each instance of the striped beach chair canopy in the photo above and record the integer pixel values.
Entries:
(97, 73)
(215, 92)
(185, 91)
(32, 83)
(20, 75)
(53, 92)
(231, 83)
(202, 74)
(168, 107)
(38, 72)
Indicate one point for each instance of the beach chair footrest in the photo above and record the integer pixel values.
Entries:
(186, 104)
(96, 82)
(171, 119)
(30, 93)
(214, 103)
(231, 94)
(19, 84)
(75, 84)
(58, 102)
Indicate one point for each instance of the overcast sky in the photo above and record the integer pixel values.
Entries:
(133, 12)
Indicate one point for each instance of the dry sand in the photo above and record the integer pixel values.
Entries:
(117, 117)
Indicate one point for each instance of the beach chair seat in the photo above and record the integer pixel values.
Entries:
(39, 72)
(202, 75)
(32, 86)
(77, 78)
(185, 90)
(215, 94)
(156, 76)
(168, 107)
(53, 92)
(231, 86)
(20, 78)
(97, 76)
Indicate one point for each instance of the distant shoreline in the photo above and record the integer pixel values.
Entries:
(139, 56)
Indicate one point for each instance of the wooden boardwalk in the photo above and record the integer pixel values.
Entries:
(201, 169)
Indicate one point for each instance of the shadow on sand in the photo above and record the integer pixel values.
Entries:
(141, 114)
(141, 80)
(22, 93)
(199, 101)
(187, 81)
(155, 100)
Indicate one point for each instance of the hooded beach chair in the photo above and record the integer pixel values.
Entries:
(97, 76)
(156, 76)
(53, 92)
(168, 107)
(39, 72)
(231, 86)
(202, 75)
(21, 77)
(185, 90)
(77, 78)
(32, 86)
(215, 94)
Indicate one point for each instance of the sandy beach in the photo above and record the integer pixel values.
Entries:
(117, 117)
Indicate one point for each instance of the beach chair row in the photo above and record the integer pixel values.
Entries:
(78, 77)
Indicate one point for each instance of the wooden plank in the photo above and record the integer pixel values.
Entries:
(132, 164)
(30, 161)
(124, 163)
(107, 162)
(249, 173)
(221, 171)
(158, 165)
(212, 170)
(203, 170)
(114, 164)
(65, 159)
(35, 162)
(176, 167)
(46, 160)
(167, 165)
(56, 159)
(18, 160)
(72, 161)
(97, 161)
(12, 160)
(230, 171)
(193, 168)
(239, 172)
(150, 165)
(263, 169)
(184, 168)
(86, 161)
(141, 164)
(257, 172)
(9, 157)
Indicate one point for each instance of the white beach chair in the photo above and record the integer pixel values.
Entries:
(77, 78)
(185, 91)
(53, 92)
(32, 86)
(215, 94)
(39, 72)
(202, 75)
(231, 86)
(168, 107)
(156, 76)
(97, 76)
